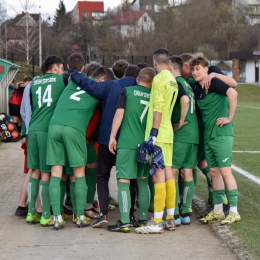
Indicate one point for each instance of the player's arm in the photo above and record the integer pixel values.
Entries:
(184, 103)
(117, 121)
(95, 89)
(223, 89)
(214, 72)
(232, 103)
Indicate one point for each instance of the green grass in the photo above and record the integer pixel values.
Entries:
(247, 138)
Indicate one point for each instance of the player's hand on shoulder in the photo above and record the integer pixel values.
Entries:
(112, 145)
(207, 80)
(223, 121)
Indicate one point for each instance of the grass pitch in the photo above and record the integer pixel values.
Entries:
(247, 138)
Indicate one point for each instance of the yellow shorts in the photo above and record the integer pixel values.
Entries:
(167, 152)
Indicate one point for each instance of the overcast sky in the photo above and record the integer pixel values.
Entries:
(48, 7)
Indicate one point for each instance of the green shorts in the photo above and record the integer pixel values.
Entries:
(127, 166)
(66, 143)
(37, 150)
(201, 147)
(184, 155)
(167, 149)
(219, 151)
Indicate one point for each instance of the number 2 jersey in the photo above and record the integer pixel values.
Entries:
(45, 92)
(135, 101)
(75, 108)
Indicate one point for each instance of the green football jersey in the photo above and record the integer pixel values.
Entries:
(45, 93)
(163, 97)
(212, 107)
(132, 129)
(188, 133)
(75, 108)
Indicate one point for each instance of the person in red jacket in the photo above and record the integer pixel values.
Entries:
(16, 100)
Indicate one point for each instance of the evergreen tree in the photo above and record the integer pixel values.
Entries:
(60, 18)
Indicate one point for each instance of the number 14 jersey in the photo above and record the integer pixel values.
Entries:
(45, 92)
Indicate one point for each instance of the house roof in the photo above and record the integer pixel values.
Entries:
(17, 18)
(124, 18)
(244, 55)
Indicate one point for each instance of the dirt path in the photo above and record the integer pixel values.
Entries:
(18, 240)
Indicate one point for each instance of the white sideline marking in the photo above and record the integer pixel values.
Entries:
(246, 174)
(248, 106)
(245, 151)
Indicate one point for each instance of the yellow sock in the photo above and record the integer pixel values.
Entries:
(170, 198)
(159, 201)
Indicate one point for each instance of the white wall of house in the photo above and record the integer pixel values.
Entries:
(250, 71)
(145, 23)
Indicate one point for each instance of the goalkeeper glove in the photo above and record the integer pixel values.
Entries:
(149, 144)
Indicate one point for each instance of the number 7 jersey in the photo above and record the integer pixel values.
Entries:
(45, 92)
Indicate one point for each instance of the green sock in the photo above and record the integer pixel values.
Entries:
(81, 191)
(124, 201)
(176, 209)
(45, 198)
(151, 187)
(62, 194)
(195, 176)
(144, 198)
(72, 196)
(206, 172)
(188, 193)
(32, 191)
(91, 177)
(55, 193)
(218, 196)
(232, 196)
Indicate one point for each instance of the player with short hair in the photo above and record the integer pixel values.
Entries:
(66, 142)
(186, 139)
(107, 91)
(119, 68)
(130, 117)
(159, 131)
(45, 92)
(91, 68)
(217, 105)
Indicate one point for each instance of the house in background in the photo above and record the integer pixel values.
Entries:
(85, 10)
(14, 29)
(246, 66)
(131, 23)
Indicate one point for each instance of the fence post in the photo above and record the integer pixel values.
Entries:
(12, 57)
(33, 66)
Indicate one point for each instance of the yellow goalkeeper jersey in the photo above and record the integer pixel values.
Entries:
(163, 97)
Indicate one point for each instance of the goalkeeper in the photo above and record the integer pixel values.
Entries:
(131, 115)
(159, 131)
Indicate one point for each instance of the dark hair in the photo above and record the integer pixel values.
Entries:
(103, 72)
(50, 60)
(91, 68)
(142, 65)
(27, 79)
(132, 70)
(176, 62)
(186, 57)
(161, 56)
(146, 75)
(76, 61)
(119, 68)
